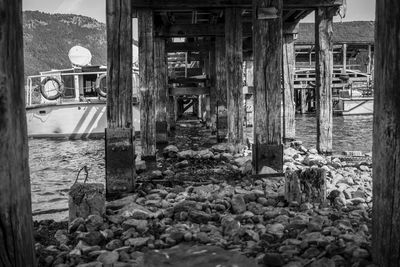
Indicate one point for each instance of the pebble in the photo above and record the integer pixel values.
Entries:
(244, 216)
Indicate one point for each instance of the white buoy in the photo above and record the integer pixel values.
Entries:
(79, 56)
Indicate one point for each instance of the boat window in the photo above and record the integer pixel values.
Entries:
(89, 84)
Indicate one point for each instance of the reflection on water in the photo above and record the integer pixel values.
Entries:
(54, 164)
(349, 132)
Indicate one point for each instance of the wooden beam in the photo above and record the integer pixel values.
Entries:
(188, 47)
(267, 87)
(16, 227)
(220, 83)
(120, 149)
(171, 5)
(323, 77)
(176, 91)
(147, 86)
(386, 137)
(370, 59)
(198, 30)
(161, 89)
(234, 61)
(289, 106)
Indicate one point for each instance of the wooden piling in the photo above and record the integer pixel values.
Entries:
(220, 86)
(386, 137)
(16, 238)
(289, 106)
(213, 93)
(323, 77)
(160, 87)
(120, 150)
(147, 87)
(234, 83)
(344, 57)
(267, 43)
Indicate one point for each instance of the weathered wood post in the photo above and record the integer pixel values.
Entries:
(323, 76)
(344, 57)
(289, 106)
(267, 43)
(220, 85)
(234, 83)
(386, 134)
(147, 86)
(370, 58)
(161, 89)
(16, 238)
(213, 93)
(120, 149)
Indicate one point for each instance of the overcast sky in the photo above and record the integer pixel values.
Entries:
(356, 9)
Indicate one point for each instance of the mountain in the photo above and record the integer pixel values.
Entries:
(48, 38)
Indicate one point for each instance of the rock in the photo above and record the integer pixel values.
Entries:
(138, 242)
(360, 253)
(140, 165)
(136, 211)
(170, 151)
(114, 244)
(94, 222)
(91, 238)
(120, 203)
(157, 174)
(182, 164)
(230, 226)
(197, 216)
(273, 260)
(275, 229)
(140, 225)
(205, 256)
(185, 154)
(314, 159)
(61, 237)
(238, 204)
(323, 262)
(108, 257)
(75, 224)
(267, 170)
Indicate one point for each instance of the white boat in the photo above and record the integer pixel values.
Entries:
(71, 103)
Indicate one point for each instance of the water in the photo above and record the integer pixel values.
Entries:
(54, 164)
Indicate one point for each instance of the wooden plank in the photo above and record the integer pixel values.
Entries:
(289, 106)
(16, 227)
(171, 5)
(386, 137)
(177, 91)
(324, 70)
(161, 89)
(267, 77)
(220, 83)
(120, 150)
(344, 57)
(234, 61)
(147, 87)
(187, 80)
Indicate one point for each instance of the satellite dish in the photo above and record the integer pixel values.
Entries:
(79, 56)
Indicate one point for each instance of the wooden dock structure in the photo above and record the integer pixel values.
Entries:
(265, 24)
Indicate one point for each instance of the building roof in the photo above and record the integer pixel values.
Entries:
(354, 32)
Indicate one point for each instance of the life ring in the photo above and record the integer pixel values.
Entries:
(59, 88)
(100, 88)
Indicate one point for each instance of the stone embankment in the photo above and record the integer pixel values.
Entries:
(203, 208)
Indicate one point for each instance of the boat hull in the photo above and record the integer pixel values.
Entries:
(71, 120)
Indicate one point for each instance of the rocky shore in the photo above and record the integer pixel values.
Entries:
(202, 207)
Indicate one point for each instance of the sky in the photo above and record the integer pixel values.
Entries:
(356, 9)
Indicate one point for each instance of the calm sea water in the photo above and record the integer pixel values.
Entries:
(54, 164)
